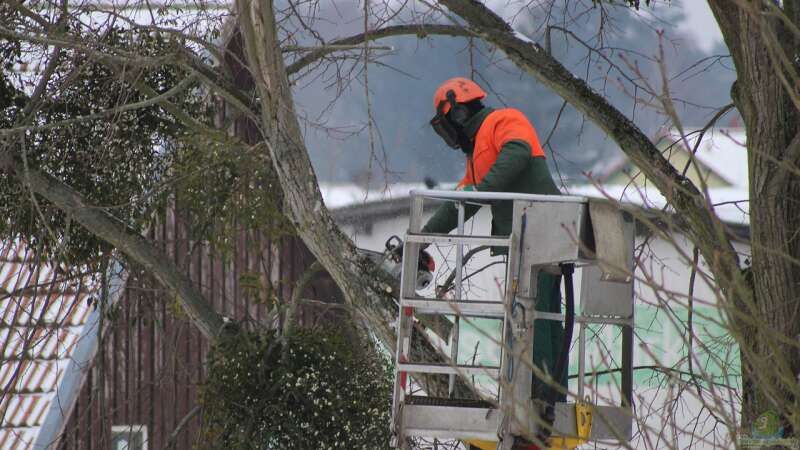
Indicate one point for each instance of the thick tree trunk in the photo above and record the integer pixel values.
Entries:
(361, 282)
(770, 352)
(773, 368)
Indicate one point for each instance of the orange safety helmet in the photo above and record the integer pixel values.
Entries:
(464, 89)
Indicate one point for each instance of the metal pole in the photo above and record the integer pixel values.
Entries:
(627, 365)
(477, 196)
(459, 279)
(408, 279)
(581, 358)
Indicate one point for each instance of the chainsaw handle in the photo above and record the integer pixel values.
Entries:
(394, 246)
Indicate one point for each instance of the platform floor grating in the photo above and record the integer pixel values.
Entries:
(453, 402)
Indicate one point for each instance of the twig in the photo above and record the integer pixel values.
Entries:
(297, 293)
(181, 425)
(420, 30)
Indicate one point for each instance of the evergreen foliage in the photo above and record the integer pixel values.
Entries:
(312, 389)
(225, 191)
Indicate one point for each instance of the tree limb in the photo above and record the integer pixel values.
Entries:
(421, 30)
(791, 158)
(299, 288)
(363, 285)
(175, 90)
(384, 287)
(107, 227)
(178, 429)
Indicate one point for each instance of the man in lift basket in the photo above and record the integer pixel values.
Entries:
(503, 155)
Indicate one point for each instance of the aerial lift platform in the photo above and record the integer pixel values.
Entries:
(549, 233)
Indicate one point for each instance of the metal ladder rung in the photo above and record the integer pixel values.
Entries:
(495, 309)
(450, 422)
(466, 370)
(465, 239)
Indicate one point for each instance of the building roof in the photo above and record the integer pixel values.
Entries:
(722, 151)
(341, 195)
(361, 207)
(731, 203)
(44, 313)
(351, 204)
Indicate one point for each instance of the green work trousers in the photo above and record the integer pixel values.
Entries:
(548, 336)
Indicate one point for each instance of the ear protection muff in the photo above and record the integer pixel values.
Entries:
(458, 114)
(443, 125)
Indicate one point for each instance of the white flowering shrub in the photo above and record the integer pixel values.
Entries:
(314, 389)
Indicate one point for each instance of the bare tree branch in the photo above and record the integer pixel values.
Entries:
(104, 225)
(420, 30)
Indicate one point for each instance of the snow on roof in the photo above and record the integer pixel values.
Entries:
(608, 166)
(723, 151)
(340, 195)
(42, 315)
(730, 204)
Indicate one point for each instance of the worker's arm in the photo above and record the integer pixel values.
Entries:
(511, 161)
(445, 219)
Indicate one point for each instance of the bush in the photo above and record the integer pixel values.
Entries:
(311, 390)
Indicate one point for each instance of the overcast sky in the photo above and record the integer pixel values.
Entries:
(699, 23)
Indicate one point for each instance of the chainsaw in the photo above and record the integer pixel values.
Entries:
(391, 260)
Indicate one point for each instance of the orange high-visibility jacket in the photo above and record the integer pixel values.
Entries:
(506, 157)
(499, 128)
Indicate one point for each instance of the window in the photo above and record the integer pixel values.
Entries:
(129, 437)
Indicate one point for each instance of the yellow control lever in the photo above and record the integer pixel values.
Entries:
(583, 417)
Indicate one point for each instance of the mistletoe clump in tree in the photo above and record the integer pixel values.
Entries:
(89, 125)
(310, 389)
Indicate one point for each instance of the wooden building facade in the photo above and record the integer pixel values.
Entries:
(143, 383)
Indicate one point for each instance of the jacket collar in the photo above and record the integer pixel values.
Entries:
(474, 123)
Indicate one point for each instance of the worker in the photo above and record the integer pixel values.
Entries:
(503, 155)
